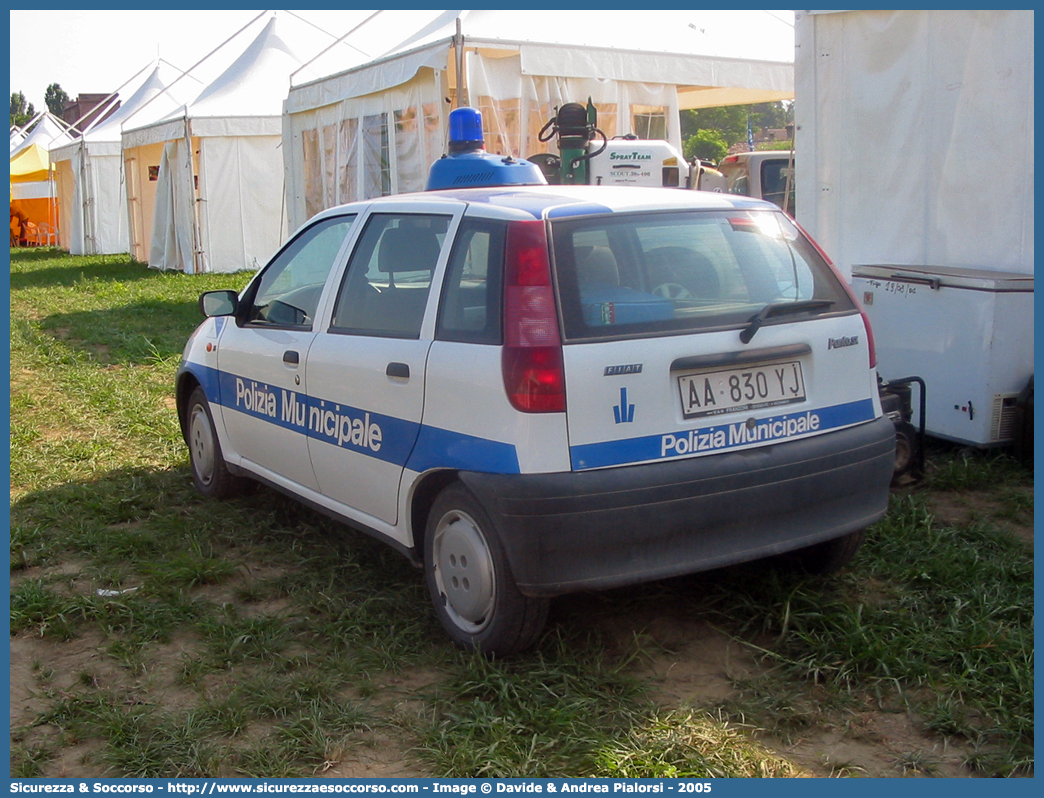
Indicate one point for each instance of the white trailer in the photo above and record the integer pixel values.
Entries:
(914, 130)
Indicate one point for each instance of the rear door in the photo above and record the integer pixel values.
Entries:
(654, 306)
(367, 368)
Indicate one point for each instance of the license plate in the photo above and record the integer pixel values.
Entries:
(712, 393)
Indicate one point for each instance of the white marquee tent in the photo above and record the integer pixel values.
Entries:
(92, 194)
(204, 184)
(47, 131)
(375, 126)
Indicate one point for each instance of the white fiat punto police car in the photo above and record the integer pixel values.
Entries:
(532, 390)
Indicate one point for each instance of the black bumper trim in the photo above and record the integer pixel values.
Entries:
(611, 527)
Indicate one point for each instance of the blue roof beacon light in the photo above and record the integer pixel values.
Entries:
(468, 165)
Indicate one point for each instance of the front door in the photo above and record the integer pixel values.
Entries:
(262, 358)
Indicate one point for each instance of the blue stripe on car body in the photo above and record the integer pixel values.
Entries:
(352, 428)
(719, 437)
(401, 442)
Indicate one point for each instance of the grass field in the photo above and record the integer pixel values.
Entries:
(155, 633)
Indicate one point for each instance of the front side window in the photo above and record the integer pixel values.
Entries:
(385, 289)
(287, 293)
(677, 272)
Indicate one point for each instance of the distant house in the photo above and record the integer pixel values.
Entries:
(87, 109)
(775, 134)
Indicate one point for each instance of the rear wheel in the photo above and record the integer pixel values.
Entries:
(471, 586)
(209, 471)
(830, 556)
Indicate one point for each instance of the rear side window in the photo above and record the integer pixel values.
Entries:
(469, 309)
(740, 185)
(633, 274)
(774, 175)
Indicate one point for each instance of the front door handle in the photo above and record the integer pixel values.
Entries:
(291, 357)
(401, 370)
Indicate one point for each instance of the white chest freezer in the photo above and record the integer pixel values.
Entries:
(967, 332)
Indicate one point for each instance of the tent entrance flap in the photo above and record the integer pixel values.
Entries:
(171, 245)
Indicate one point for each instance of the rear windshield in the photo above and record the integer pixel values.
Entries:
(633, 274)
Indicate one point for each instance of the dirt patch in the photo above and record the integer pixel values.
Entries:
(1013, 513)
(370, 756)
(41, 667)
(696, 665)
(876, 745)
(705, 667)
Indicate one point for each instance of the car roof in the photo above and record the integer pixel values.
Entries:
(759, 155)
(547, 201)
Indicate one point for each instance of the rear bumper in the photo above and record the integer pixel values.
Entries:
(607, 528)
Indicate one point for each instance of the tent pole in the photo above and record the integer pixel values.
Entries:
(194, 203)
(51, 198)
(339, 41)
(186, 74)
(85, 200)
(458, 50)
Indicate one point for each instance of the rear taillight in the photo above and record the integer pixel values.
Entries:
(534, 375)
(848, 289)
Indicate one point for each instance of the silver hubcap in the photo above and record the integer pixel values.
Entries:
(464, 571)
(201, 444)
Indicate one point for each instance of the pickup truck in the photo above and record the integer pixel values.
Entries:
(763, 175)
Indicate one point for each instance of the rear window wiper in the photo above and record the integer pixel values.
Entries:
(781, 309)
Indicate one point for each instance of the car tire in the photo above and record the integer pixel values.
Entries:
(471, 585)
(905, 449)
(210, 474)
(830, 556)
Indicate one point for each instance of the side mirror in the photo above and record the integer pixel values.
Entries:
(219, 303)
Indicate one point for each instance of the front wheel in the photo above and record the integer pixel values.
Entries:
(209, 472)
(471, 585)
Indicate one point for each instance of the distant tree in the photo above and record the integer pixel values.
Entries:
(20, 111)
(731, 120)
(706, 144)
(55, 98)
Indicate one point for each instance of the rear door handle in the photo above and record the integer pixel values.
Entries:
(291, 357)
(400, 370)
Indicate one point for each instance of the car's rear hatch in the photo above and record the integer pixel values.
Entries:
(688, 333)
